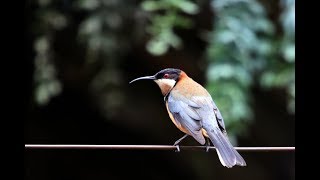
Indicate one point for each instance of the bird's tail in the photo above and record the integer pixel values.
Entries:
(227, 154)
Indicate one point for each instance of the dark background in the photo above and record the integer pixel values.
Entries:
(119, 113)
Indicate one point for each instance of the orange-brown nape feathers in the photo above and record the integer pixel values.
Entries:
(190, 87)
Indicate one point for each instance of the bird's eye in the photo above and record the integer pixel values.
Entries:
(166, 76)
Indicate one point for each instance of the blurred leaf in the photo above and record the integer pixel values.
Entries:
(91, 25)
(288, 16)
(149, 5)
(88, 5)
(228, 71)
(46, 83)
(55, 19)
(162, 25)
(186, 6)
(157, 47)
(289, 53)
(291, 105)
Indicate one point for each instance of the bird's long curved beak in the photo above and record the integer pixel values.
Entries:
(145, 77)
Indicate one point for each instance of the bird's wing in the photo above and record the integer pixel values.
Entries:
(190, 113)
(206, 107)
(184, 112)
(219, 117)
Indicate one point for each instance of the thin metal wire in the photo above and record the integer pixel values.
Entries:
(147, 147)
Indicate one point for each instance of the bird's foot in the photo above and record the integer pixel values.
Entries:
(207, 148)
(178, 141)
(207, 145)
(178, 148)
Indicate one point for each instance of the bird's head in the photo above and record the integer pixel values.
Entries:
(166, 79)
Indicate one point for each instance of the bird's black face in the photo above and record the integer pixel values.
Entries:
(168, 73)
(166, 79)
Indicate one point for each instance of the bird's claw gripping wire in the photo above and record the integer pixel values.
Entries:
(177, 143)
(178, 148)
(207, 145)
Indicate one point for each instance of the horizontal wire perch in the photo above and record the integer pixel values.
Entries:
(147, 147)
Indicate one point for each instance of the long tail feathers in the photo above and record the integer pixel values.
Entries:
(228, 156)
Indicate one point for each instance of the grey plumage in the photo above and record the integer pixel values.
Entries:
(201, 112)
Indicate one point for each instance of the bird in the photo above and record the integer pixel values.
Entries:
(193, 111)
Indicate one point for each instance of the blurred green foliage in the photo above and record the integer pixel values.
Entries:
(165, 16)
(48, 21)
(246, 48)
(104, 34)
(101, 28)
